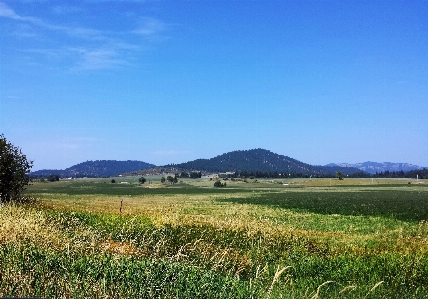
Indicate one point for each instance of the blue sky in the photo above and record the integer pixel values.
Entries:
(173, 81)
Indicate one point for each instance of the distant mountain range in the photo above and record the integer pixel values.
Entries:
(99, 168)
(254, 161)
(373, 167)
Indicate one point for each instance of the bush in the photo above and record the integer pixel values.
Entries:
(53, 178)
(219, 184)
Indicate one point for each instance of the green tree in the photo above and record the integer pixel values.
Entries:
(219, 184)
(163, 180)
(53, 178)
(113, 181)
(195, 174)
(14, 168)
(142, 180)
(170, 179)
(339, 175)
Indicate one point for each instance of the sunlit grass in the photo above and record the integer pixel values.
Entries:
(236, 242)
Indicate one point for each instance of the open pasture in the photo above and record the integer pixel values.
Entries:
(294, 238)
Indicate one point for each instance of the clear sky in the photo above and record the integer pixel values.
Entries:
(172, 81)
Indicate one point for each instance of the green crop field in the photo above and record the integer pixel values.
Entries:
(295, 238)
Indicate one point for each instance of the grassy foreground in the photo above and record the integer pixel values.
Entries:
(301, 239)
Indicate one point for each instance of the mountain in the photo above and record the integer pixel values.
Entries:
(99, 168)
(373, 167)
(259, 160)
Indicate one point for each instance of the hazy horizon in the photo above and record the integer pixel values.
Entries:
(337, 163)
(173, 81)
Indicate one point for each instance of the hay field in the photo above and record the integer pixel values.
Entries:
(265, 239)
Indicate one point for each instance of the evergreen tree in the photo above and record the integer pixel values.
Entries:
(53, 178)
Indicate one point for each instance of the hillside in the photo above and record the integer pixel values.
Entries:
(98, 168)
(373, 167)
(259, 160)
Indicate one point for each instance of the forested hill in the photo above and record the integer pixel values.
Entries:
(259, 160)
(99, 168)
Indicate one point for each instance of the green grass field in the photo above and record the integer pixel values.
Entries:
(295, 238)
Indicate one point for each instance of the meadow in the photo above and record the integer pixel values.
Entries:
(294, 238)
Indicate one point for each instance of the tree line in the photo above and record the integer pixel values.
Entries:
(411, 174)
(420, 173)
(192, 174)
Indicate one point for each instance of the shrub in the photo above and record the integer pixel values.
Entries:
(219, 184)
